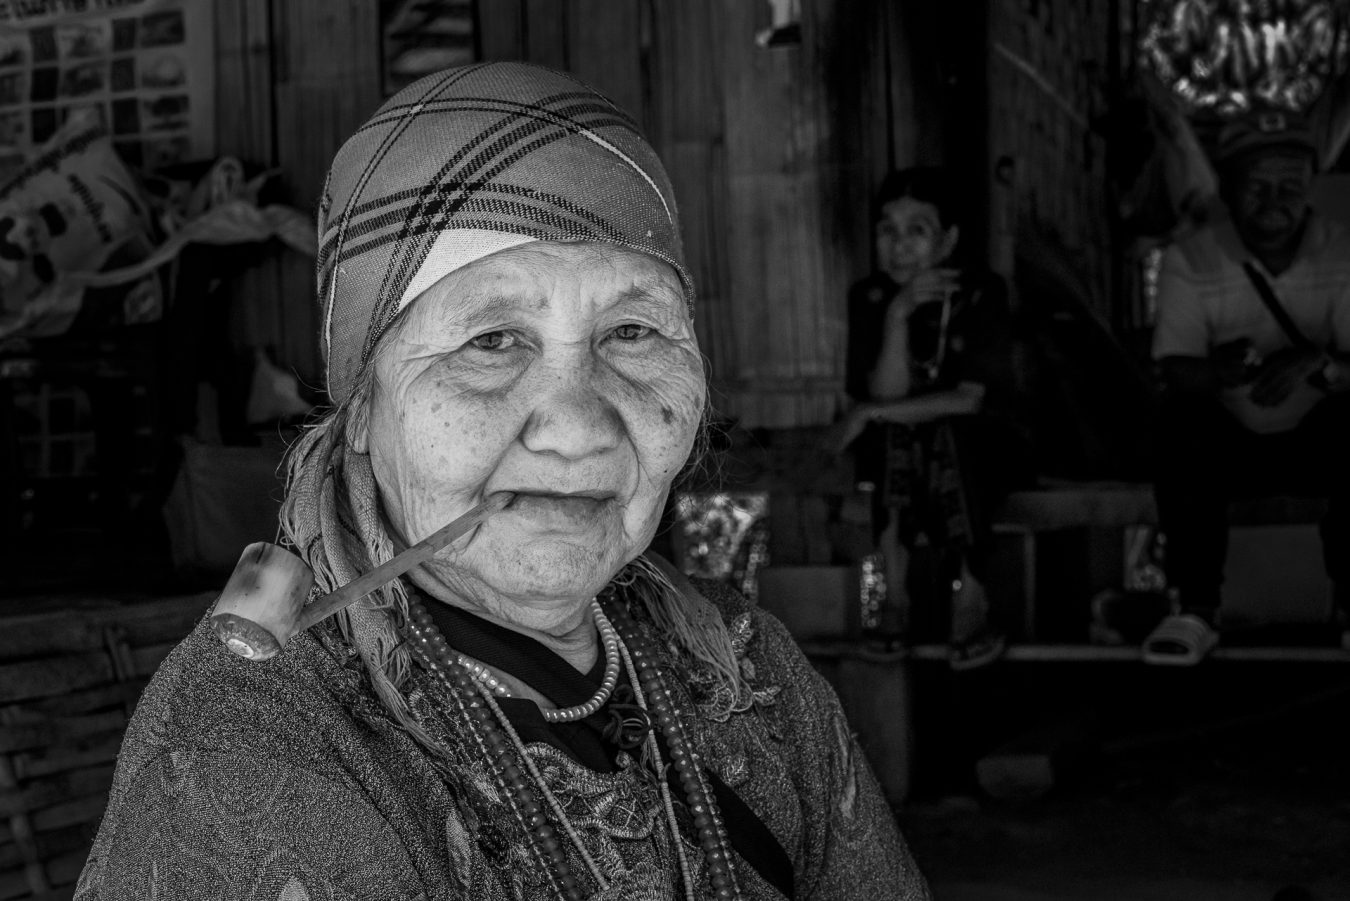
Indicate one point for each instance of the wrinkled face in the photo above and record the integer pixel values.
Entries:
(1269, 199)
(910, 238)
(568, 373)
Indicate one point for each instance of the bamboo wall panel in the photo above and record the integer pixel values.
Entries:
(326, 83)
(687, 125)
(546, 32)
(604, 49)
(244, 114)
(500, 29)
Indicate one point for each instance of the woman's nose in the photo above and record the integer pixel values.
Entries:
(572, 416)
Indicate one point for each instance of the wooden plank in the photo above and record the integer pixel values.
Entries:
(546, 33)
(244, 80)
(82, 629)
(698, 173)
(48, 845)
(64, 869)
(85, 809)
(162, 619)
(854, 41)
(65, 893)
(53, 676)
(327, 82)
(91, 751)
(686, 109)
(244, 129)
(45, 634)
(145, 620)
(147, 659)
(56, 789)
(603, 47)
(20, 829)
(14, 885)
(22, 736)
(501, 29)
(90, 699)
(688, 40)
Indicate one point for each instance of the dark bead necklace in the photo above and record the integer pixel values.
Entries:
(712, 837)
(513, 769)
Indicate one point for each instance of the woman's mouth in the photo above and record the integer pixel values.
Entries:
(559, 511)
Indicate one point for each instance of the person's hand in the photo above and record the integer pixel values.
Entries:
(847, 430)
(970, 398)
(929, 286)
(1282, 372)
(1233, 362)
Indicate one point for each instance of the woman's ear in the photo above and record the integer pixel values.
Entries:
(947, 245)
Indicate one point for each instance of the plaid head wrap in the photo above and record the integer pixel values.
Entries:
(465, 163)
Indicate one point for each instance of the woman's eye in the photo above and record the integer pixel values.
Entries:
(493, 341)
(631, 332)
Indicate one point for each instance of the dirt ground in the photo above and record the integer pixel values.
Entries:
(1229, 782)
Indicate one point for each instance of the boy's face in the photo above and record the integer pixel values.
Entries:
(910, 238)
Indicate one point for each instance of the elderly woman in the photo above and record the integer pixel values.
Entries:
(542, 711)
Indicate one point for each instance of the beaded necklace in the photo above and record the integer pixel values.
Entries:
(609, 640)
(477, 689)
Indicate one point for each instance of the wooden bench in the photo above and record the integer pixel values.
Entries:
(1055, 506)
(1060, 505)
(69, 679)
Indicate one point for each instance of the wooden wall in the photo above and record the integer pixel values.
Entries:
(293, 79)
(774, 152)
(1049, 71)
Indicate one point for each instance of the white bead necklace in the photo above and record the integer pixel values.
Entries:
(428, 637)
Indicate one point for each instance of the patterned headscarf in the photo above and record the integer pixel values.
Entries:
(463, 164)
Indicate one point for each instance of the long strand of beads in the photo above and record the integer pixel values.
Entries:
(707, 817)
(544, 790)
(507, 776)
(432, 643)
(654, 748)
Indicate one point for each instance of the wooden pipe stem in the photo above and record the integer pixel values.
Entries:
(397, 565)
(263, 605)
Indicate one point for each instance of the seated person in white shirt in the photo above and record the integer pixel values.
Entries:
(1252, 407)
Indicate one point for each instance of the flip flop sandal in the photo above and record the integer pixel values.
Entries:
(979, 650)
(1182, 639)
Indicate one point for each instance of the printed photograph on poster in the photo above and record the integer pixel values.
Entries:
(146, 68)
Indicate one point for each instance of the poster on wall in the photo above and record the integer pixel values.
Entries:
(145, 67)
